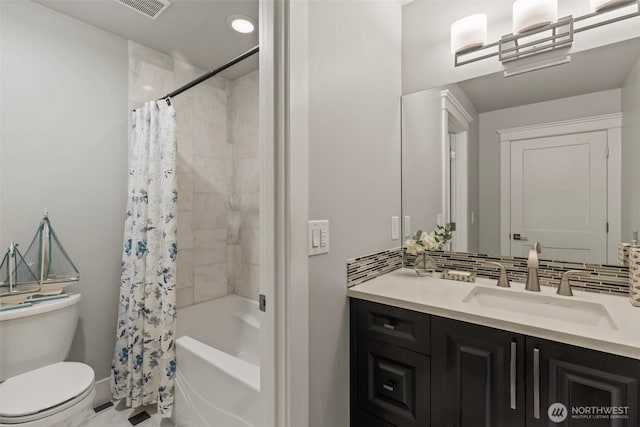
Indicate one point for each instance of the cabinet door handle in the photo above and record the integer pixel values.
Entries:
(512, 369)
(536, 383)
(388, 387)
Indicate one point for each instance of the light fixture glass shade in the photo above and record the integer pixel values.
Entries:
(241, 23)
(598, 5)
(531, 14)
(468, 33)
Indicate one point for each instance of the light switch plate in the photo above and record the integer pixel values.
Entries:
(318, 237)
(395, 228)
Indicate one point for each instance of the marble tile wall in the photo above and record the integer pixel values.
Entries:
(211, 214)
(243, 133)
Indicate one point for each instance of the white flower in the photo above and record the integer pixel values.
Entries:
(429, 241)
(411, 247)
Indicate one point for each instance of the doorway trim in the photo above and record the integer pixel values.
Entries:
(284, 340)
(456, 120)
(612, 124)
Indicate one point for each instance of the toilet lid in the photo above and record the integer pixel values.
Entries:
(44, 388)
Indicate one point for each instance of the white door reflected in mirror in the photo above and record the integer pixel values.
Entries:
(559, 196)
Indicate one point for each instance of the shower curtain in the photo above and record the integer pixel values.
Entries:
(144, 363)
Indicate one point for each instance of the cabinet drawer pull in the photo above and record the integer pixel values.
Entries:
(512, 369)
(536, 383)
(391, 325)
(388, 387)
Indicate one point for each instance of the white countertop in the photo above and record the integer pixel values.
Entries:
(433, 295)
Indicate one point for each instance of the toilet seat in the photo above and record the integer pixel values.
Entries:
(44, 392)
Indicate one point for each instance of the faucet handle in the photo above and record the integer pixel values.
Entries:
(503, 280)
(565, 284)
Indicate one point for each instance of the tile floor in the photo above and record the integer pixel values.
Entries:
(117, 416)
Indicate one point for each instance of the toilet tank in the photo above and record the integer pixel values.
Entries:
(37, 336)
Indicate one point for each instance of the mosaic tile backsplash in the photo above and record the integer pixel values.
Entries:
(597, 278)
(368, 267)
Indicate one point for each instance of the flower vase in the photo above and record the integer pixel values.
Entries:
(424, 265)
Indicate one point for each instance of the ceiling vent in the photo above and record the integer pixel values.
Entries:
(149, 8)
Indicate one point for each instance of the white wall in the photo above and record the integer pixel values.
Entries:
(354, 173)
(422, 159)
(426, 53)
(594, 104)
(64, 147)
(631, 154)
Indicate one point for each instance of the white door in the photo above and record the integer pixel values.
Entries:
(559, 196)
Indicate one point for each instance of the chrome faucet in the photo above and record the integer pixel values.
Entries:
(565, 283)
(503, 280)
(533, 283)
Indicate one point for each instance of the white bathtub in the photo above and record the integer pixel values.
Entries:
(218, 364)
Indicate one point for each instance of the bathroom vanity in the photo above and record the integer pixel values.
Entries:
(431, 352)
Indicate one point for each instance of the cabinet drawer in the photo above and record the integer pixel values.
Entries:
(403, 328)
(366, 420)
(394, 384)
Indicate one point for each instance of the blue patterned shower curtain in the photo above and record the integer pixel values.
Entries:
(144, 361)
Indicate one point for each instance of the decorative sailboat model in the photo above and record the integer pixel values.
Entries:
(17, 281)
(47, 257)
(44, 271)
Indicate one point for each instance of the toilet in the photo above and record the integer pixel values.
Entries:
(38, 388)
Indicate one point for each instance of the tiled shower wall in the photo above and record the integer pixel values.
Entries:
(217, 181)
(243, 126)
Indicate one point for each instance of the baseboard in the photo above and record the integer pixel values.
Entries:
(103, 392)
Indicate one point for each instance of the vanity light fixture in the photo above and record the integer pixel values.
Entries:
(531, 14)
(241, 23)
(469, 33)
(540, 39)
(601, 5)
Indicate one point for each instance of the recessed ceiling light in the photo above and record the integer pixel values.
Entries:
(242, 24)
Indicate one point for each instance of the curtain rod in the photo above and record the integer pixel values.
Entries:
(210, 74)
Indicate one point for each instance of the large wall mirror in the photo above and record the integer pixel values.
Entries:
(551, 156)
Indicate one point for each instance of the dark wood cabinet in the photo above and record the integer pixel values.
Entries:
(410, 369)
(588, 383)
(389, 357)
(478, 376)
(396, 326)
(365, 420)
(394, 384)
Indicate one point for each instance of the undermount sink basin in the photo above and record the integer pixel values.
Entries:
(546, 306)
